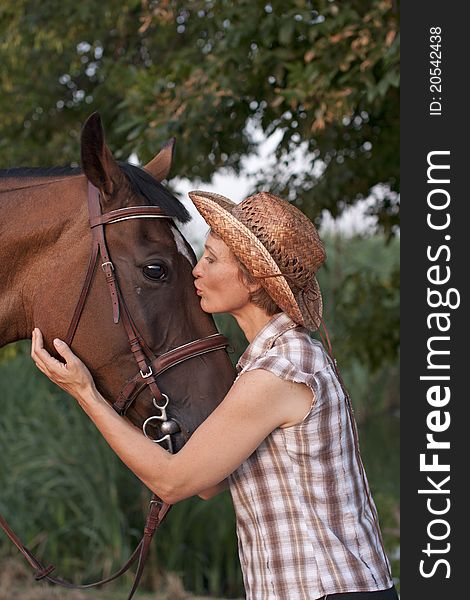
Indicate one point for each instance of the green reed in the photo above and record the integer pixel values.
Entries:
(60, 483)
(73, 502)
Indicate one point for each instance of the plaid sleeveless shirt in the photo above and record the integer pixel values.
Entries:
(304, 525)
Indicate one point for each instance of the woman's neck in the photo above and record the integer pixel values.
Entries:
(251, 319)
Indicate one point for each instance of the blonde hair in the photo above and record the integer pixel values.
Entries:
(260, 297)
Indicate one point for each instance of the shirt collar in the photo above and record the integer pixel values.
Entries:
(265, 338)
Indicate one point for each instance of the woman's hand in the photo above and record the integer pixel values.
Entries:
(73, 376)
(147, 460)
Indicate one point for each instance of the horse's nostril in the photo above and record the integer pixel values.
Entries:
(169, 427)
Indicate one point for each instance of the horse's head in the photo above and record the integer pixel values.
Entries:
(153, 266)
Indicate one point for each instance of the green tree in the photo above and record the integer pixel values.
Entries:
(325, 73)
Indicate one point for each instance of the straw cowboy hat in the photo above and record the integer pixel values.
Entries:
(278, 245)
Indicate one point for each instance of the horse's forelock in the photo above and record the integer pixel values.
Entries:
(154, 192)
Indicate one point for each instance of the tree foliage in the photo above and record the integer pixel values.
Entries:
(210, 73)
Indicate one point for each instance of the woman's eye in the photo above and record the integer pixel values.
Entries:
(209, 259)
(155, 272)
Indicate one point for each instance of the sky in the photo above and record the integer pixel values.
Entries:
(237, 187)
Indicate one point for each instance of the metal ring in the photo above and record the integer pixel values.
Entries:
(164, 438)
(164, 406)
(144, 426)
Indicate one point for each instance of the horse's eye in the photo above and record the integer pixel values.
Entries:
(155, 272)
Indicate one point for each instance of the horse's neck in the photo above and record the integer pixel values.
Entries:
(38, 216)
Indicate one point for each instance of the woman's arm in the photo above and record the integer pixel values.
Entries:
(253, 407)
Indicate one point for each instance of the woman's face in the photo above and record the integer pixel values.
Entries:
(218, 281)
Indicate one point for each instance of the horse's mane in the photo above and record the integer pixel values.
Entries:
(141, 182)
(39, 171)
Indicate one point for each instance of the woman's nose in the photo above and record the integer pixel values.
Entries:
(197, 270)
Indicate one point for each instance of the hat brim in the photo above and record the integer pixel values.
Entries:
(217, 212)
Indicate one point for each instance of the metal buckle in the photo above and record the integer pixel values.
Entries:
(108, 262)
(145, 375)
(158, 502)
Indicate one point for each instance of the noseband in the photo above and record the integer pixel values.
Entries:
(149, 367)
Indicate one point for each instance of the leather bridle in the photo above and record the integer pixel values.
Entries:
(149, 367)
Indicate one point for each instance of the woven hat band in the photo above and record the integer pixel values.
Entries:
(308, 298)
(311, 305)
(289, 278)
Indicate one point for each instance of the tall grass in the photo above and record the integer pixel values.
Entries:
(73, 502)
(61, 486)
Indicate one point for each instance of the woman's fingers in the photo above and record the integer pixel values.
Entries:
(64, 350)
(73, 376)
(41, 356)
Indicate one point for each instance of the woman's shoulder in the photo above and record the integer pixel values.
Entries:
(293, 356)
(298, 347)
(283, 347)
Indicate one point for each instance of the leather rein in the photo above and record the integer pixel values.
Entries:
(149, 367)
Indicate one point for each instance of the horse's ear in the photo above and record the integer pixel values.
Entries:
(159, 167)
(97, 161)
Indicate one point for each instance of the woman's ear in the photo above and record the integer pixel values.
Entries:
(253, 287)
(250, 282)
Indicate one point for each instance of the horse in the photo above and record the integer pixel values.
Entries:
(44, 249)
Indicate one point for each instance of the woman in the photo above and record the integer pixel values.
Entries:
(284, 438)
